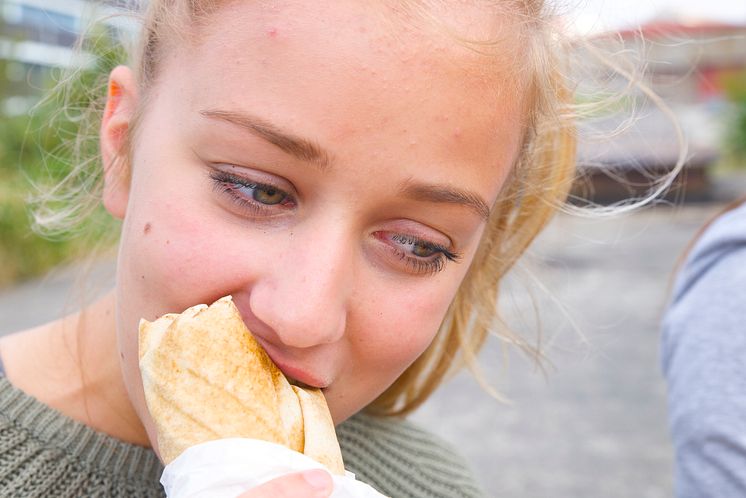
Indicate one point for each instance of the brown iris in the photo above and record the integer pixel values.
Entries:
(269, 196)
(422, 250)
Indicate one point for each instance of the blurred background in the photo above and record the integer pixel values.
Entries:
(591, 419)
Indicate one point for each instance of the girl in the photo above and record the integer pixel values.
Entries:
(357, 175)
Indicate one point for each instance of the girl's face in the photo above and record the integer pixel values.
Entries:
(329, 165)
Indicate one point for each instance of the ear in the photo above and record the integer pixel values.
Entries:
(121, 104)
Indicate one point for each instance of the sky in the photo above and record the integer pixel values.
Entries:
(588, 16)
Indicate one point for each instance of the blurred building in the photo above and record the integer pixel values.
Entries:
(37, 36)
(634, 141)
(689, 63)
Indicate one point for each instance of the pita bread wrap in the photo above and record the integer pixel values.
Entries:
(205, 377)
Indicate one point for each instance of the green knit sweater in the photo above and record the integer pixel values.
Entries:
(44, 453)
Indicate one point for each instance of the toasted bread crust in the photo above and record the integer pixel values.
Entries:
(205, 377)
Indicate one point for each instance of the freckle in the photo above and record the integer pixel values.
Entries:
(142, 277)
(121, 355)
(168, 242)
(147, 228)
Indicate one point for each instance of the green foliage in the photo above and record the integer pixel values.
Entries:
(736, 133)
(37, 149)
(735, 130)
(734, 84)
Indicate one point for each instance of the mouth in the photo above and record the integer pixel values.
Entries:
(296, 375)
(299, 377)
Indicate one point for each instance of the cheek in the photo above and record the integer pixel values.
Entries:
(167, 258)
(177, 249)
(389, 330)
(172, 257)
(404, 324)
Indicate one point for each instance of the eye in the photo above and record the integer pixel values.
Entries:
(252, 198)
(416, 255)
(419, 248)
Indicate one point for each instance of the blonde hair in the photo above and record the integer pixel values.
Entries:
(536, 189)
(537, 186)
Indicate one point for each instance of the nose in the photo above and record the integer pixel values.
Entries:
(303, 297)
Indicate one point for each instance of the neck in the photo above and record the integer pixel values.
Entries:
(72, 365)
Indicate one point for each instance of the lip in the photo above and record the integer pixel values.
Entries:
(291, 371)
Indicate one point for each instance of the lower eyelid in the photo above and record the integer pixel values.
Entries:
(426, 266)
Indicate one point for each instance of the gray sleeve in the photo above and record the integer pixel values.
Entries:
(704, 361)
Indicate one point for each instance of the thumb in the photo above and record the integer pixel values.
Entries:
(316, 483)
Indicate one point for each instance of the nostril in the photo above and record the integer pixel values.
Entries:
(298, 326)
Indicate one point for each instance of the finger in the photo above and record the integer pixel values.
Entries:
(316, 483)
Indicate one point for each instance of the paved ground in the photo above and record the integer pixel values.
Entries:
(594, 426)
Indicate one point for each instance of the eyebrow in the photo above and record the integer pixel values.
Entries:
(310, 151)
(447, 194)
(301, 148)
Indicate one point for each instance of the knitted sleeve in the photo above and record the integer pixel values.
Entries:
(45, 454)
(400, 460)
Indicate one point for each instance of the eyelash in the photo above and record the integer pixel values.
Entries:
(228, 184)
(420, 265)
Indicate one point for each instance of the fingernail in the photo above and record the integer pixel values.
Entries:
(318, 479)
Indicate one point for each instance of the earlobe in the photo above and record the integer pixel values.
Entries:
(121, 105)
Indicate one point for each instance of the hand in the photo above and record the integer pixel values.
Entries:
(315, 483)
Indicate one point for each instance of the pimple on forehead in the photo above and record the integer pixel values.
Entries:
(272, 32)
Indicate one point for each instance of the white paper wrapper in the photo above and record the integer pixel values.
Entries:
(225, 468)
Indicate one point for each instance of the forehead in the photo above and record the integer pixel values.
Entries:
(404, 70)
(481, 38)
